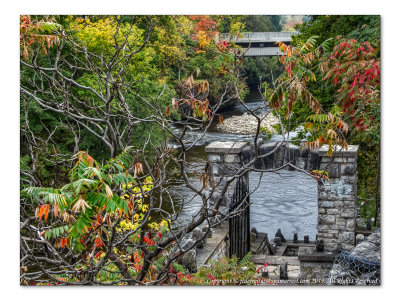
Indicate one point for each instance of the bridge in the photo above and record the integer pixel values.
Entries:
(259, 43)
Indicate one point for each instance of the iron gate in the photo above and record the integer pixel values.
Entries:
(239, 223)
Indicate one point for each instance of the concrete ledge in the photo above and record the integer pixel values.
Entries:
(212, 244)
(310, 254)
(225, 147)
(261, 259)
(352, 150)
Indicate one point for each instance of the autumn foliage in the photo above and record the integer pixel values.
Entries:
(354, 71)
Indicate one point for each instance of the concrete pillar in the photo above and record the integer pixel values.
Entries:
(225, 160)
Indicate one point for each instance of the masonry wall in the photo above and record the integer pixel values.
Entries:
(337, 201)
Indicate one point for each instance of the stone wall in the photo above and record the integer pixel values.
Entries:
(337, 201)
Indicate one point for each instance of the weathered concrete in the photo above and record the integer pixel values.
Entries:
(225, 147)
(215, 247)
(310, 254)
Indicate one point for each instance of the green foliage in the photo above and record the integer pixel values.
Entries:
(262, 23)
(89, 194)
(260, 69)
(362, 29)
(225, 271)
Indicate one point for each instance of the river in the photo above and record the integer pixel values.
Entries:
(285, 200)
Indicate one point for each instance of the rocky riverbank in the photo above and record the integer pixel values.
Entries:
(247, 124)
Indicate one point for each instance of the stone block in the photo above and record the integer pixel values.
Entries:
(309, 254)
(349, 179)
(352, 159)
(347, 247)
(348, 213)
(324, 193)
(189, 261)
(322, 228)
(338, 204)
(347, 189)
(215, 170)
(348, 198)
(332, 211)
(333, 169)
(301, 163)
(340, 159)
(349, 169)
(232, 158)
(326, 219)
(225, 147)
(214, 158)
(349, 204)
(351, 151)
(351, 224)
(339, 188)
(326, 159)
(325, 204)
(346, 238)
(321, 210)
(341, 222)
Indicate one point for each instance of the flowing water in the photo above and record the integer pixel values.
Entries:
(285, 200)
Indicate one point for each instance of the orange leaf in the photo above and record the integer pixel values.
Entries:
(46, 211)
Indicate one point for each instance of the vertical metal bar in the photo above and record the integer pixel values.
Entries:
(237, 220)
(248, 217)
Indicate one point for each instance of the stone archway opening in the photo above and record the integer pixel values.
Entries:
(336, 197)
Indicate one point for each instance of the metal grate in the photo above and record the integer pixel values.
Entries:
(239, 223)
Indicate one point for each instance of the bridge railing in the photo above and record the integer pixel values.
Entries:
(258, 36)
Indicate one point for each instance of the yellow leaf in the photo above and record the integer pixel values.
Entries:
(109, 192)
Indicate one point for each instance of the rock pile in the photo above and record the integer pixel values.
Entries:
(361, 265)
(247, 124)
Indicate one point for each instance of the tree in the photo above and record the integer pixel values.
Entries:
(96, 228)
(349, 73)
(362, 29)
